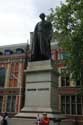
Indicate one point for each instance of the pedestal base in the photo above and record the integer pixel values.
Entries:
(41, 90)
(40, 94)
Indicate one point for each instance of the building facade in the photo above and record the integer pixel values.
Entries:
(12, 82)
(12, 64)
(70, 101)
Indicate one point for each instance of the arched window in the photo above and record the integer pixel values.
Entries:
(19, 50)
(8, 52)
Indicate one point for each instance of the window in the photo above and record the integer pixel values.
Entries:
(72, 105)
(8, 104)
(78, 83)
(11, 104)
(65, 79)
(19, 50)
(8, 52)
(79, 105)
(1, 101)
(67, 104)
(63, 106)
(2, 77)
(63, 55)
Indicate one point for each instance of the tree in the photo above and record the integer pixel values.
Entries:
(67, 21)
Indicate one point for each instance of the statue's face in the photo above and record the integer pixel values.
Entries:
(42, 16)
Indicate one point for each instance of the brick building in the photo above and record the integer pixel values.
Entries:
(12, 64)
(70, 101)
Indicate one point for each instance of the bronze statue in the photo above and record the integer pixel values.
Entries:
(40, 49)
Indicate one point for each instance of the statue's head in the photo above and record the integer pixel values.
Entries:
(42, 16)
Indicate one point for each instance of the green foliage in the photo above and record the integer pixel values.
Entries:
(67, 23)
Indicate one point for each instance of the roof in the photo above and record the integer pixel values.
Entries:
(13, 47)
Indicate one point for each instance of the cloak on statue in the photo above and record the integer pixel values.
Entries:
(41, 49)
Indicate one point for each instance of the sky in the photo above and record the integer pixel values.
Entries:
(19, 17)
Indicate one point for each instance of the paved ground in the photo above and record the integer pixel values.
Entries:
(23, 121)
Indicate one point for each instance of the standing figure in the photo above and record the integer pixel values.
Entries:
(38, 119)
(45, 120)
(41, 49)
(4, 119)
(1, 117)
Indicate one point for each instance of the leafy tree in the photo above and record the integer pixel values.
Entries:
(67, 21)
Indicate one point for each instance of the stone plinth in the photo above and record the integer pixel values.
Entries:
(41, 89)
(40, 94)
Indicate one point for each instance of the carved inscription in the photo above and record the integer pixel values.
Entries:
(38, 89)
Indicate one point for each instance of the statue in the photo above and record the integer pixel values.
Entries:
(41, 49)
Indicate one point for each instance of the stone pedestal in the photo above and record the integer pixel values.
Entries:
(41, 90)
(40, 94)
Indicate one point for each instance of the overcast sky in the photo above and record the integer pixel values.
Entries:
(18, 18)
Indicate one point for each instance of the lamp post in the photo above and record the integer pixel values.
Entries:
(19, 81)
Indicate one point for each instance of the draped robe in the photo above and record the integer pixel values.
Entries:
(40, 49)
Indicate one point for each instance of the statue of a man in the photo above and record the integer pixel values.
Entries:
(40, 49)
